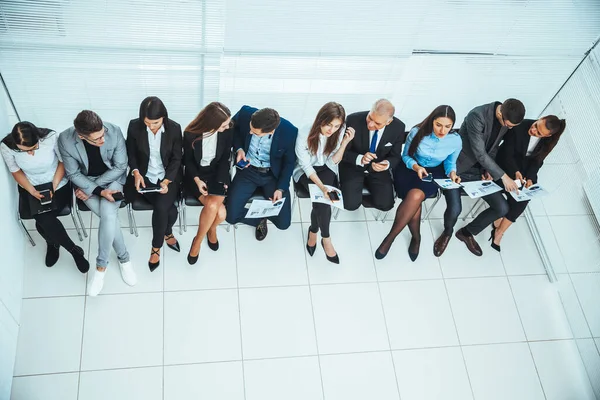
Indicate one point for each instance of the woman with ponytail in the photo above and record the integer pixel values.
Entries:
(521, 156)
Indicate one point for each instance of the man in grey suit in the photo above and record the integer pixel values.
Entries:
(481, 133)
(95, 160)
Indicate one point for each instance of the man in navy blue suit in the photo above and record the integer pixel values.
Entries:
(267, 142)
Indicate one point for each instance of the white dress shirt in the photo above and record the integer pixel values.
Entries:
(209, 149)
(306, 161)
(533, 141)
(40, 167)
(379, 136)
(156, 169)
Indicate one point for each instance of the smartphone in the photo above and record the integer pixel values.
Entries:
(428, 178)
(150, 189)
(217, 188)
(333, 195)
(47, 199)
(118, 196)
(242, 164)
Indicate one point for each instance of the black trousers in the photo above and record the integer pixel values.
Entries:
(380, 185)
(48, 224)
(320, 216)
(164, 211)
(453, 209)
(498, 208)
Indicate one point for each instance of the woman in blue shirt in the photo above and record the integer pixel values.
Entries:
(430, 148)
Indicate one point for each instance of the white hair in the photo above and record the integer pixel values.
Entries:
(384, 107)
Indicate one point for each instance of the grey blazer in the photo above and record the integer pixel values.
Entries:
(113, 152)
(475, 133)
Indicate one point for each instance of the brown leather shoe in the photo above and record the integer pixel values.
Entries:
(470, 241)
(440, 245)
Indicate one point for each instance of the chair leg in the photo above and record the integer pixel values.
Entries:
(430, 209)
(473, 209)
(132, 220)
(336, 213)
(81, 224)
(384, 216)
(129, 211)
(179, 212)
(184, 215)
(228, 227)
(77, 227)
(26, 232)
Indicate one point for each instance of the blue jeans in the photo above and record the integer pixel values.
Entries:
(109, 230)
(243, 186)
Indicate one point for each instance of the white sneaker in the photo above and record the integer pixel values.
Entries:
(97, 283)
(128, 273)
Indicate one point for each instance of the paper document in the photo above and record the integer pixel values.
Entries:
(528, 194)
(446, 184)
(264, 208)
(317, 196)
(479, 189)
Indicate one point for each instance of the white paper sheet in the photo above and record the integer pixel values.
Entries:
(528, 194)
(446, 184)
(265, 208)
(317, 196)
(479, 189)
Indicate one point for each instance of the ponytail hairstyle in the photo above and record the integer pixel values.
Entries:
(426, 127)
(556, 127)
(25, 134)
(209, 120)
(326, 115)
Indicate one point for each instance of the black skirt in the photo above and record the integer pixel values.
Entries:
(206, 174)
(406, 179)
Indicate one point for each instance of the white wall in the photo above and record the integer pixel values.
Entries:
(12, 250)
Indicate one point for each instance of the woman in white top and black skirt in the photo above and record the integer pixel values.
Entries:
(318, 153)
(207, 142)
(32, 156)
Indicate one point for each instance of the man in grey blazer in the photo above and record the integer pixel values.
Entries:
(481, 132)
(95, 160)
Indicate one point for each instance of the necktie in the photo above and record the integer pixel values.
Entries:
(373, 142)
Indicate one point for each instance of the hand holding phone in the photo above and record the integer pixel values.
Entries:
(46, 197)
(333, 195)
(427, 178)
(242, 164)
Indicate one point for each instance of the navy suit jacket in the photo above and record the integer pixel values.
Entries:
(283, 145)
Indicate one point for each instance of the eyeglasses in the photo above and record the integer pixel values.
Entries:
(33, 148)
(98, 139)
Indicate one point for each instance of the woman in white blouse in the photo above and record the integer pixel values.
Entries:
(318, 153)
(31, 155)
(207, 142)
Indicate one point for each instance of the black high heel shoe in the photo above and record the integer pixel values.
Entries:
(413, 256)
(335, 259)
(192, 259)
(173, 246)
(494, 245)
(155, 265)
(310, 249)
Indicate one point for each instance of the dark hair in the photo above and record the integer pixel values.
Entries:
(265, 119)
(87, 122)
(513, 111)
(426, 127)
(153, 108)
(208, 120)
(326, 114)
(556, 127)
(25, 134)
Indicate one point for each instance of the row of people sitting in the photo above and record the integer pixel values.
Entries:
(364, 149)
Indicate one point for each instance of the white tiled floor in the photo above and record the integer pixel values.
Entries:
(262, 321)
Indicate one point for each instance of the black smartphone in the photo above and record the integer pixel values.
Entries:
(242, 164)
(118, 196)
(333, 195)
(428, 178)
(488, 183)
(216, 188)
(47, 197)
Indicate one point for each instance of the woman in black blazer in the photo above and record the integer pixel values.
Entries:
(521, 155)
(154, 152)
(207, 142)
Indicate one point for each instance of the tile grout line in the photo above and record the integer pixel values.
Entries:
(462, 353)
(387, 331)
(237, 277)
(312, 308)
(163, 319)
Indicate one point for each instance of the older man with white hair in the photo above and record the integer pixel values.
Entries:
(370, 157)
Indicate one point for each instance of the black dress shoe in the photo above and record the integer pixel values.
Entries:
(467, 238)
(310, 249)
(192, 259)
(413, 255)
(52, 254)
(83, 265)
(213, 246)
(154, 265)
(173, 246)
(261, 230)
(335, 259)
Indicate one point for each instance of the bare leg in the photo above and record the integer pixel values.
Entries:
(405, 214)
(207, 218)
(504, 225)
(212, 232)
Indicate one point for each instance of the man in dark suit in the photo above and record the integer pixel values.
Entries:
(268, 143)
(370, 157)
(481, 133)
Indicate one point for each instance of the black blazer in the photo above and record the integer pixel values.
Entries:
(283, 145)
(192, 155)
(138, 148)
(512, 155)
(394, 134)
